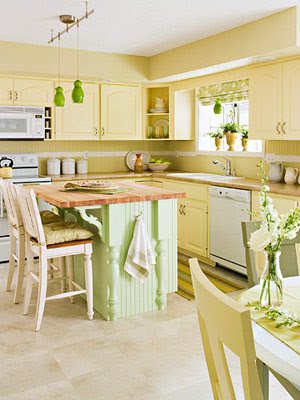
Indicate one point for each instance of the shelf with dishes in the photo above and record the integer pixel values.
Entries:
(157, 112)
(48, 123)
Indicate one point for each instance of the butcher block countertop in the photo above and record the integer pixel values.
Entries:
(53, 194)
(247, 184)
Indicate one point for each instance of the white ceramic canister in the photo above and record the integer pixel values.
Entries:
(82, 166)
(291, 175)
(53, 166)
(68, 166)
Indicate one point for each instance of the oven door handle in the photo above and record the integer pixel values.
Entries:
(1, 206)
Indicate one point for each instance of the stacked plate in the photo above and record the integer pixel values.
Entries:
(158, 110)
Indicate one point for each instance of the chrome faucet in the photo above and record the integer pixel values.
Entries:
(226, 167)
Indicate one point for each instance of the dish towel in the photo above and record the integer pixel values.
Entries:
(140, 255)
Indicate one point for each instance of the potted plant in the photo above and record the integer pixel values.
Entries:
(230, 130)
(218, 136)
(244, 133)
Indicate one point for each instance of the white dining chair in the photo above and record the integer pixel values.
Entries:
(17, 240)
(222, 322)
(38, 245)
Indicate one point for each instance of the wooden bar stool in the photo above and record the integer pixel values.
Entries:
(42, 242)
(17, 240)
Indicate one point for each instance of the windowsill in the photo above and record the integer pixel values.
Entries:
(243, 154)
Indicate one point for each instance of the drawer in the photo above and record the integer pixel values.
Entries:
(195, 191)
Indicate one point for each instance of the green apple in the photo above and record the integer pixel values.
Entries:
(159, 161)
(152, 160)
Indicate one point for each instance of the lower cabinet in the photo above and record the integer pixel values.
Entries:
(192, 217)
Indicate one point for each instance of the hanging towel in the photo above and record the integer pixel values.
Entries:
(140, 255)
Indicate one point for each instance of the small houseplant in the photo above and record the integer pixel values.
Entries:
(274, 228)
(218, 136)
(230, 130)
(244, 133)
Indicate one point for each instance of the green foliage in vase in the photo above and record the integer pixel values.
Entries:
(216, 135)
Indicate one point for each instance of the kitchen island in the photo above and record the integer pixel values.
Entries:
(112, 220)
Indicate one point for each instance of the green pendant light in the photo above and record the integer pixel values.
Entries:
(59, 98)
(218, 107)
(77, 92)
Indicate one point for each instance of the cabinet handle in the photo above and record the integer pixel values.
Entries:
(10, 95)
(96, 131)
(183, 210)
(16, 95)
(180, 210)
(282, 128)
(277, 128)
(103, 131)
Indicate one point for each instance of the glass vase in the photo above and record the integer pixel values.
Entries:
(271, 281)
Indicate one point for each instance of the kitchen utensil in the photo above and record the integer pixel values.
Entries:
(276, 172)
(82, 166)
(6, 165)
(156, 167)
(53, 166)
(131, 157)
(291, 175)
(68, 166)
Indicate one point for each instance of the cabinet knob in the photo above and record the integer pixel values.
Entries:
(103, 131)
(96, 131)
(282, 128)
(16, 95)
(277, 128)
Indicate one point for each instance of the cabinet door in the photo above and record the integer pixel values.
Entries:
(265, 103)
(291, 90)
(33, 92)
(184, 114)
(180, 223)
(120, 112)
(6, 91)
(195, 227)
(78, 121)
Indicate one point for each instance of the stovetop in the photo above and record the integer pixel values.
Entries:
(31, 178)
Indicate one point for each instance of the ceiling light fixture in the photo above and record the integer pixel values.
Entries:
(59, 98)
(77, 92)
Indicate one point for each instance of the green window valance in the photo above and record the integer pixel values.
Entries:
(226, 92)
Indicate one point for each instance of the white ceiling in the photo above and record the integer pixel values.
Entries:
(140, 27)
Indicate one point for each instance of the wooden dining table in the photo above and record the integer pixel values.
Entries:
(278, 356)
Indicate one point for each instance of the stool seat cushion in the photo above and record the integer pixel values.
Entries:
(49, 216)
(61, 232)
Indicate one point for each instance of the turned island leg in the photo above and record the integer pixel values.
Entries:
(113, 282)
(161, 264)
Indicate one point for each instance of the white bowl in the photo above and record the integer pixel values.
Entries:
(156, 167)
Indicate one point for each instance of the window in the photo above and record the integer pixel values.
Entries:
(210, 122)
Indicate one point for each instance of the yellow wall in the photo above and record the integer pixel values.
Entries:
(268, 35)
(33, 60)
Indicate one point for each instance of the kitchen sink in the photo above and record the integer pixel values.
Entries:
(204, 175)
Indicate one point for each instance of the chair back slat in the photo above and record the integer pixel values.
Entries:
(14, 218)
(30, 214)
(224, 322)
(288, 258)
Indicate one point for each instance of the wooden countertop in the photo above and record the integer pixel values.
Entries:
(247, 184)
(53, 195)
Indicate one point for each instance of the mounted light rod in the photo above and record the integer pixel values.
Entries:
(85, 16)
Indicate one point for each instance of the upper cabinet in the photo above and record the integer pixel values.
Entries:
(274, 92)
(26, 92)
(120, 112)
(184, 114)
(78, 121)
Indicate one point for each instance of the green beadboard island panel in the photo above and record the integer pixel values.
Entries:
(116, 293)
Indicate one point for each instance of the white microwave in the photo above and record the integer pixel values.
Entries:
(22, 123)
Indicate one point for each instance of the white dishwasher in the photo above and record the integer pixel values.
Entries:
(228, 208)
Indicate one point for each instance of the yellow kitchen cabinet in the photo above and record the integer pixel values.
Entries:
(265, 102)
(33, 92)
(273, 101)
(78, 121)
(192, 217)
(184, 114)
(120, 112)
(6, 91)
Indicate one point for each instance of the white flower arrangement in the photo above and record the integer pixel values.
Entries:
(274, 228)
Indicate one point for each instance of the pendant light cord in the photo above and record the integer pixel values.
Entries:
(77, 53)
(59, 59)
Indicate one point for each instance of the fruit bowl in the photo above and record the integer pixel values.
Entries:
(157, 167)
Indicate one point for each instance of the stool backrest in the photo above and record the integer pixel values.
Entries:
(30, 214)
(11, 205)
(223, 321)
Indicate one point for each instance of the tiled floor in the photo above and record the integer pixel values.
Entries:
(156, 356)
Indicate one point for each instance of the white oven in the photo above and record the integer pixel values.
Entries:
(22, 123)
